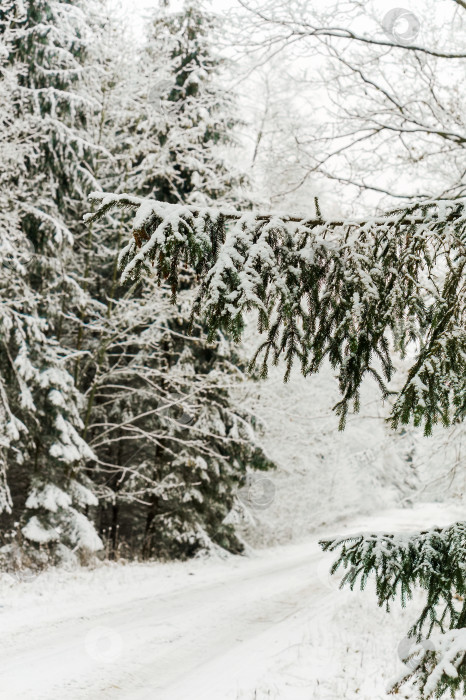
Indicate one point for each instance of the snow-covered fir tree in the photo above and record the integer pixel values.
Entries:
(172, 445)
(12, 154)
(165, 485)
(46, 453)
(186, 120)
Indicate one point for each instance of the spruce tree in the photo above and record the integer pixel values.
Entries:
(166, 484)
(13, 250)
(172, 443)
(47, 456)
(186, 119)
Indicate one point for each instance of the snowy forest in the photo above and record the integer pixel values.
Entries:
(233, 348)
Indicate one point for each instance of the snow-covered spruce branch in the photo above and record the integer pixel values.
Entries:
(323, 289)
(434, 561)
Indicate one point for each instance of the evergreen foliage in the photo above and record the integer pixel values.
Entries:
(349, 291)
(164, 488)
(433, 561)
(94, 376)
(175, 446)
(185, 120)
(52, 44)
(42, 452)
(165, 484)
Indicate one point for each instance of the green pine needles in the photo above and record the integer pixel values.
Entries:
(349, 291)
(434, 561)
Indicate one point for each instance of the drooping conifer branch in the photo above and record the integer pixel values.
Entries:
(434, 561)
(342, 290)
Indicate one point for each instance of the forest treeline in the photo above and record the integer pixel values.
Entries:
(119, 427)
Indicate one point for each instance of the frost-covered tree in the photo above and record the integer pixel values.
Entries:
(173, 446)
(165, 484)
(40, 442)
(12, 153)
(53, 44)
(185, 123)
(41, 446)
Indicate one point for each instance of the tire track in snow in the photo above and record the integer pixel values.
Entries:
(157, 647)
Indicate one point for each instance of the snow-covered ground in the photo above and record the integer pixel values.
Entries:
(270, 625)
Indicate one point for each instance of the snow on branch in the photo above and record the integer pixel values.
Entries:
(434, 561)
(342, 290)
(402, 562)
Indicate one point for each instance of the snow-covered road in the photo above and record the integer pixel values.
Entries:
(206, 629)
(161, 646)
